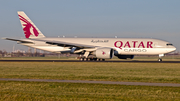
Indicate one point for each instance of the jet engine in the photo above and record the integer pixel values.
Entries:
(125, 56)
(104, 53)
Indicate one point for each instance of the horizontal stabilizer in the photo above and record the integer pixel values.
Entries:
(18, 40)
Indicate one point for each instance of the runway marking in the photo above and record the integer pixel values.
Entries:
(94, 82)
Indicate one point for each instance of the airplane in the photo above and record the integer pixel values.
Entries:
(96, 49)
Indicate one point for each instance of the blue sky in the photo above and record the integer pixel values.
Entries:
(93, 18)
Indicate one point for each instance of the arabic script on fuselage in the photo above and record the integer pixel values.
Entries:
(100, 41)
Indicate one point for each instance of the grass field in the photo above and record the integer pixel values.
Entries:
(133, 72)
(42, 91)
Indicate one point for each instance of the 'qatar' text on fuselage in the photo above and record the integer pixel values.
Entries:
(133, 44)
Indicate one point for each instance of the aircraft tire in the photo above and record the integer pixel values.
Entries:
(98, 59)
(91, 59)
(95, 59)
(81, 59)
(86, 59)
(159, 59)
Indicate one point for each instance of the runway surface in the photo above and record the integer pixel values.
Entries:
(132, 61)
(94, 82)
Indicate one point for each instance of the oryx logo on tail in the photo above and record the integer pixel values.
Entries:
(29, 29)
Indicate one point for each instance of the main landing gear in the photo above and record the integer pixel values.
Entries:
(86, 57)
(90, 59)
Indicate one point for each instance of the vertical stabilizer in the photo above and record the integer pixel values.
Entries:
(29, 28)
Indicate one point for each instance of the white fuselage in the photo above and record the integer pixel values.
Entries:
(128, 46)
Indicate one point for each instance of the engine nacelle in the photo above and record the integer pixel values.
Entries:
(104, 53)
(125, 56)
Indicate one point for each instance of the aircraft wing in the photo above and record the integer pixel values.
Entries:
(18, 40)
(65, 44)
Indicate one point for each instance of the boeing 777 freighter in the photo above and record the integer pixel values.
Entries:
(96, 48)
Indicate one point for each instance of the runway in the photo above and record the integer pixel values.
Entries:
(129, 61)
(94, 82)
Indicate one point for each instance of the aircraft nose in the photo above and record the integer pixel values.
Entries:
(171, 49)
(174, 48)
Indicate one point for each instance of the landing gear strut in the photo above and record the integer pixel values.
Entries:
(160, 57)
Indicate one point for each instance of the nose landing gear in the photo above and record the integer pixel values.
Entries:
(160, 57)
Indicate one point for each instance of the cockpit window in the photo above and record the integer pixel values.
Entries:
(169, 44)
